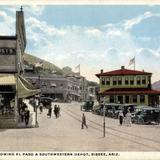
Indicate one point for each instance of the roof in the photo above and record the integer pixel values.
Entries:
(114, 91)
(122, 72)
(8, 37)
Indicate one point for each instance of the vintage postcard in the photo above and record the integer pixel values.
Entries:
(79, 80)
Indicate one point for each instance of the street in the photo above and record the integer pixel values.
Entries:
(65, 134)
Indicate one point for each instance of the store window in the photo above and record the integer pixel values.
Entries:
(111, 99)
(142, 98)
(134, 98)
(7, 104)
(138, 80)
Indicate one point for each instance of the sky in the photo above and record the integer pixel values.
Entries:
(94, 36)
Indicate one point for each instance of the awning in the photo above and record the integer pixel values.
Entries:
(25, 89)
(7, 79)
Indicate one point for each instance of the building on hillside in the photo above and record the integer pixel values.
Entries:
(13, 87)
(60, 87)
(66, 88)
(128, 86)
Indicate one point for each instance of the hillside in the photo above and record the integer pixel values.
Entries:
(47, 66)
(156, 85)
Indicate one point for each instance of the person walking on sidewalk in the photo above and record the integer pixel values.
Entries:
(27, 116)
(120, 117)
(49, 114)
(128, 118)
(84, 121)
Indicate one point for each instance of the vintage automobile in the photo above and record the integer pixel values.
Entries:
(46, 101)
(147, 115)
(111, 109)
(87, 106)
(127, 107)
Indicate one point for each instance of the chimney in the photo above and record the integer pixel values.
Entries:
(122, 67)
(143, 70)
(101, 70)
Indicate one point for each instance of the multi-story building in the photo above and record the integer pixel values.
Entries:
(64, 88)
(12, 86)
(128, 86)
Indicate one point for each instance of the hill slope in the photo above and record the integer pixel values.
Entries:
(156, 85)
(47, 66)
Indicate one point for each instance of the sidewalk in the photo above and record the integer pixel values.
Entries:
(31, 119)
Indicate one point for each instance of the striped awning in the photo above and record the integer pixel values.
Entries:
(24, 88)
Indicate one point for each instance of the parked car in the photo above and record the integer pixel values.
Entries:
(111, 110)
(127, 106)
(147, 115)
(87, 105)
(46, 101)
(97, 109)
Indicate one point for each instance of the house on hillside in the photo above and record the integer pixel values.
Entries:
(128, 86)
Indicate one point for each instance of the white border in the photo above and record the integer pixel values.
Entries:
(79, 2)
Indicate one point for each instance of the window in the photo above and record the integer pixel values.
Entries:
(108, 81)
(111, 99)
(138, 80)
(119, 81)
(114, 81)
(132, 81)
(134, 98)
(126, 99)
(126, 81)
(142, 98)
(143, 80)
(103, 81)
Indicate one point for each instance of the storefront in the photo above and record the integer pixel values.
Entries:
(12, 89)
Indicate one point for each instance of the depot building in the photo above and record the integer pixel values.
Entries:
(128, 86)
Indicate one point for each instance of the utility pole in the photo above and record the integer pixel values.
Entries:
(104, 112)
(104, 120)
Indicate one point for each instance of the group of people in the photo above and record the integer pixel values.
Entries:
(24, 113)
(125, 118)
(56, 111)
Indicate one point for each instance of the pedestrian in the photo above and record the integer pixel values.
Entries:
(41, 107)
(120, 117)
(27, 116)
(22, 114)
(56, 111)
(84, 121)
(49, 112)
(128, 118)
